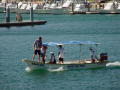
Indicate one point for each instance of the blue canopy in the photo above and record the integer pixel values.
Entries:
(71, 43)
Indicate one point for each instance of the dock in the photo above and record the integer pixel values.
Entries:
(94, 13)
(23, 23)
(19, 21)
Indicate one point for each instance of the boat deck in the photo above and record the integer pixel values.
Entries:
(79, 62)
(65, 62)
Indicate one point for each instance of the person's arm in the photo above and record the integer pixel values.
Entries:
(41, 44)
(34, 45)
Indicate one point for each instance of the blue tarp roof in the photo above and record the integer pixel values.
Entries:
(71, 43)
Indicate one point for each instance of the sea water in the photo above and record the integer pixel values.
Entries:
(16, 43)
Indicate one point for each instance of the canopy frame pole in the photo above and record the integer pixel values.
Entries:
(96, 50)
(80, 52)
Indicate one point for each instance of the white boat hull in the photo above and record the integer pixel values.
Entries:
(66, 65)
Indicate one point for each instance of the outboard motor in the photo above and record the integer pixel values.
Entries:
(103, 57)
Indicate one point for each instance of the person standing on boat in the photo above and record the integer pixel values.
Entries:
(93, 55)
(37, 48)
(60, 54)
(43, 52)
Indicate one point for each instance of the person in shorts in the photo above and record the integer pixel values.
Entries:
(43, 52)
(37, 48)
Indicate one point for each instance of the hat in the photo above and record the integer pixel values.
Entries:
(60, 44)
(91, 49)
(51, 52)
(40, 37)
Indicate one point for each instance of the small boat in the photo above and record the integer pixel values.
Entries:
(69, 64)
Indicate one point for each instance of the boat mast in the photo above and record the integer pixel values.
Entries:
(96, 49)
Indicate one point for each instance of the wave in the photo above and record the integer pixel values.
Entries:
(113, 64)
(56, 70)
(28, 69)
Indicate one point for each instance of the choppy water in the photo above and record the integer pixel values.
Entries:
(16, 44)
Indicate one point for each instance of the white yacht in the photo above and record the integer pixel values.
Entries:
(67, 3)
(24, 6)
(20, 4)
(111, 7)
(80, 8)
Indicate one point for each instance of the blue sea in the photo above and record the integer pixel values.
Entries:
(16, 43)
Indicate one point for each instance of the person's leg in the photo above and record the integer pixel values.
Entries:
(38, 51)
(34, 54)
(93, 60)
(59, 60)
(62, 60)
(38, 58)
(43, 58)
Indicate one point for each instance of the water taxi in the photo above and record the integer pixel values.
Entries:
(70, 64)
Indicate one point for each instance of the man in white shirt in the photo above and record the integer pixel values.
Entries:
(60, 54)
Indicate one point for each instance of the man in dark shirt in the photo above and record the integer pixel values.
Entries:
(37, 48)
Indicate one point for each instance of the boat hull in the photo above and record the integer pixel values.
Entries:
(66, 66)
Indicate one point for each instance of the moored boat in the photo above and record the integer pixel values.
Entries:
(23, 23)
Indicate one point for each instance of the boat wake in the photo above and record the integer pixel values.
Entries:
(113, 64)
(56, 70)
(28, 69)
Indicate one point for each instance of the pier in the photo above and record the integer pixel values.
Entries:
(23, 23)
(19, 21)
